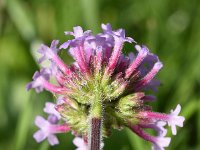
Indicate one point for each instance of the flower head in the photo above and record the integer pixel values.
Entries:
(102, 82)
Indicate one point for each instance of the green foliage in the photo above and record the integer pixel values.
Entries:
(169, 28)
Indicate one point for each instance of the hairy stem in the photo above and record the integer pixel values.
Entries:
(95, 135)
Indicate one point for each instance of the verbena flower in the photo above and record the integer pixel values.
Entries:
(80, 143)
(103, 88)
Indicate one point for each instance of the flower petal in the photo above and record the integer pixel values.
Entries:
(39, 136)
(53, 140)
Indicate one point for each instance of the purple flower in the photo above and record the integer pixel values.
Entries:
(39, 80)
(44, 132)
(157, 126)
(48, 53)
(175, 120)
(172, 119)
(47, 130)
(138, 60)
(120, 33)
(148, 78)
(80, 143)
(101, 84)
(79, 37)
(50, 109)
(160, 143)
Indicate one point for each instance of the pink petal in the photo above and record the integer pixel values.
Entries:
(39, 136)
(53, 140)
(41, 122)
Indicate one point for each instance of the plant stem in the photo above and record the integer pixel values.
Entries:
(95, 135)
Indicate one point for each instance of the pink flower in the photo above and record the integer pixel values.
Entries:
(104, 84)
(80, 143)
(47, 130)
(50, 109)
(175, 120)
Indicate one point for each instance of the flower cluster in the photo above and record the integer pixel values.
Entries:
(101, 83)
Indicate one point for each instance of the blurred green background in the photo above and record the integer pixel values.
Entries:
(170, 28)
